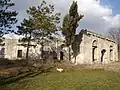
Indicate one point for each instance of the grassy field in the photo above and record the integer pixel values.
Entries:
(71, 80)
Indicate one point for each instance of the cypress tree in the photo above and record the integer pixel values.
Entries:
(70, 24)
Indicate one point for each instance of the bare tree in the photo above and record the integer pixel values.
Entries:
(114, 33)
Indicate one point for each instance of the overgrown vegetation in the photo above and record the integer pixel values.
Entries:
(76, 44)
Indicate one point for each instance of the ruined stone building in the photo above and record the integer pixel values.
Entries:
(94, 48)
(88, 48)
(13, 49)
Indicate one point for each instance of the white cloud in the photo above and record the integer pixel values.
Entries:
(112, 21)
(96, 17)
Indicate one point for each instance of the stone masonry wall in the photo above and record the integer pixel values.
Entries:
(105, 51)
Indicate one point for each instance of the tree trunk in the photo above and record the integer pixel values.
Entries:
(27, 52)
(42, 46)
(28, 46)
(75, 59)
(69, 53)
(42, 51)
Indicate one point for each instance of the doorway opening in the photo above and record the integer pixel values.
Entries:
(19, 54)
(61, 55)
(94, 50)
(103, 55)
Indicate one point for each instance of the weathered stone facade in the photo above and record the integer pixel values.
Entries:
(95, 48)
(13, 49)
(88, 48)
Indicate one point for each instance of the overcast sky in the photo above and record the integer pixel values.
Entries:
(99, 15)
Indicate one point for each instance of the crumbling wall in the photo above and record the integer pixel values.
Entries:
(86, 49)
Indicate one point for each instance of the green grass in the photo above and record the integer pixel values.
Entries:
(71, 80)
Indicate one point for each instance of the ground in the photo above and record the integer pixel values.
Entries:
(76, 79)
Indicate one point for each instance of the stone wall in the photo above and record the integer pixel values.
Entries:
(13, 46)
(95, 48)
(91, 48)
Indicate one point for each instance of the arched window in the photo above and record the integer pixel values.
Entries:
(103, 55)
(94, 44)
(111, 53)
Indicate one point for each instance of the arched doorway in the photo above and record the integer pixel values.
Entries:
(103, 55)
(94, 50)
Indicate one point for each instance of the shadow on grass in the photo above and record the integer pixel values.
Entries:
(5, 81)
